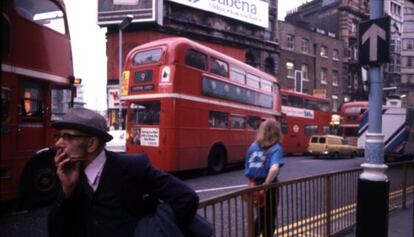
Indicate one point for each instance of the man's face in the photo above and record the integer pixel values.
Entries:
(73, 143)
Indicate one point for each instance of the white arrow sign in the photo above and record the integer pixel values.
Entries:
(372, 35)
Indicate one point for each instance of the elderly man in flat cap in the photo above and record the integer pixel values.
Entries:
(104, 193)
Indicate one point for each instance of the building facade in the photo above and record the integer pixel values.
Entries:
(342, 18)
(392, 70)
(407, 51)
(318, 56)
(250, 34)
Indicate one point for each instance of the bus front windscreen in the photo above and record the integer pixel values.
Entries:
(145, 113)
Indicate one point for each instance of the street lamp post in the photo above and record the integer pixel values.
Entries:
(125, 22)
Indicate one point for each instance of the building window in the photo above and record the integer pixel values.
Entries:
(404, 79)
(408, 61)
(291, 42)
(335, 55)
(408, 26)
(335, 103)
(353, 28)
(304, 69)
(395, 9)
(270, 66)
(290, 67)
(408, 44)
(324, 52)
(305, 45)
(324, 76)
(335, 78)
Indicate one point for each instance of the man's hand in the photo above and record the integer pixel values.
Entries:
(68, 172)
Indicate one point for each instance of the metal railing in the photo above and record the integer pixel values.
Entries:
(321, 205)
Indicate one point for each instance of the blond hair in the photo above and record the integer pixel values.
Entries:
(268, 133)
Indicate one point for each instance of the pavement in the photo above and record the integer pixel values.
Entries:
(400, 223)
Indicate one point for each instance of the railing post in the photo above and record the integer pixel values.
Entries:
(250, 215)
(328, 205)
(404, 186)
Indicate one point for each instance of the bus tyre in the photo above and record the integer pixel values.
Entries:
(39, 183)
(335, 155)
(216, 160)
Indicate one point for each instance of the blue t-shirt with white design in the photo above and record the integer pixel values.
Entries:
(255, 166)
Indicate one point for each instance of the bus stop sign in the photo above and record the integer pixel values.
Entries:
(374, 41)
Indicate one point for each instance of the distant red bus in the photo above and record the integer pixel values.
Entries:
(351, 114)
(191, 107)
(36, 88)
(303, 116)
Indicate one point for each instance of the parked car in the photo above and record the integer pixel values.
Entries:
(331, 146)
(118, 143)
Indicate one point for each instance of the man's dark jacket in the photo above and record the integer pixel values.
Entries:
(127, 185)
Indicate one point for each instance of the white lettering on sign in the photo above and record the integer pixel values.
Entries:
(251, 11)
(150, 137)
(298, 112)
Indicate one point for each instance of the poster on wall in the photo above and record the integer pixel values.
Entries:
(112, 12)
(255, 12)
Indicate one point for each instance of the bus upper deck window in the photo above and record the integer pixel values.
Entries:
(5, 104)
(219, 67)
(238, 75)
(266, 85)
(43, 12)
(146, 57)
(196, 59)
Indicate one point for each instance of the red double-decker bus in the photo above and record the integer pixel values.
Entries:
(191, 107)
(36, 76)
(303, 116)
(351, 114)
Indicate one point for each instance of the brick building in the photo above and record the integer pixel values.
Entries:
(407, 52)
(318, 55)
(340, 17)
(249, 35)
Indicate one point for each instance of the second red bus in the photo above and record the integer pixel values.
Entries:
(303, 116)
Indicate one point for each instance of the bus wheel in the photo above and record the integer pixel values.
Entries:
(39, 183)
(216, 160)
(335, 155)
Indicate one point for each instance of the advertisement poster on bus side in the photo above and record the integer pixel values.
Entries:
(298, 112)
(150, 137)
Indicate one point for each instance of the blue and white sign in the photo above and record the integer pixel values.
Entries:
(251, 11)
(298, 112)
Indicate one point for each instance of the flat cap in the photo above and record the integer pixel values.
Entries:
(85, 120)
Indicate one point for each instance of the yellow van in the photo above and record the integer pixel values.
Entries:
(330, 145)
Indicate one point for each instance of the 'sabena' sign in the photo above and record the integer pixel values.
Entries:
(251, 11)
